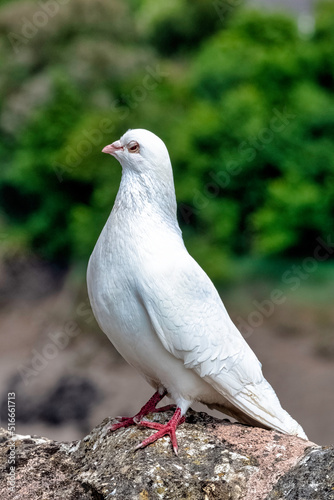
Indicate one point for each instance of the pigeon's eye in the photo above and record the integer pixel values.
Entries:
(133, 147)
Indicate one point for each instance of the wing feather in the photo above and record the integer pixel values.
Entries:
(193, 325)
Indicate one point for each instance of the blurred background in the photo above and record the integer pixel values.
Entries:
(242, 93)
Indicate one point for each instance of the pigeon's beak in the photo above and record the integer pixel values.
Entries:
(111, 149)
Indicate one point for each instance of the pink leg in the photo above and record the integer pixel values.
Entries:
(163, 429)
(149, 407)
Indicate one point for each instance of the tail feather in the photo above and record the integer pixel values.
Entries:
(260, 402)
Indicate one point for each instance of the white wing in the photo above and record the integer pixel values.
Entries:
(193, 325)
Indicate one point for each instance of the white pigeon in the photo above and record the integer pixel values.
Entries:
(160, 309)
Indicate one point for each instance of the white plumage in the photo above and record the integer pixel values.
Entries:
(160, 309)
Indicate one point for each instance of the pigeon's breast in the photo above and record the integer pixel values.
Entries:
(112, 289)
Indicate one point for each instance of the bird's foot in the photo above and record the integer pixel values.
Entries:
(163, 429)
(149, 407)
(123, 423)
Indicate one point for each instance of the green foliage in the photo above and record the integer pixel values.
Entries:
(59, 92)
(260, 131)
(179, 26)
(244, 102)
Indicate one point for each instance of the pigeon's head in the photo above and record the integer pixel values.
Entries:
(139, 150)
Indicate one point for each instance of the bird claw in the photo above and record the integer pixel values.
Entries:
(124, 422)
(149, 407)
(163, 429)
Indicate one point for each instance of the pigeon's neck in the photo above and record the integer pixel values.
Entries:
(142, 194)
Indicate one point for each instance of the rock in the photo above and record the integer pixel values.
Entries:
(217, 460)
(311, 478)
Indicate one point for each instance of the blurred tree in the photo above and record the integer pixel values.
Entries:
(243, 99)
(178, 27)
(63, 71)
(259, 139)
